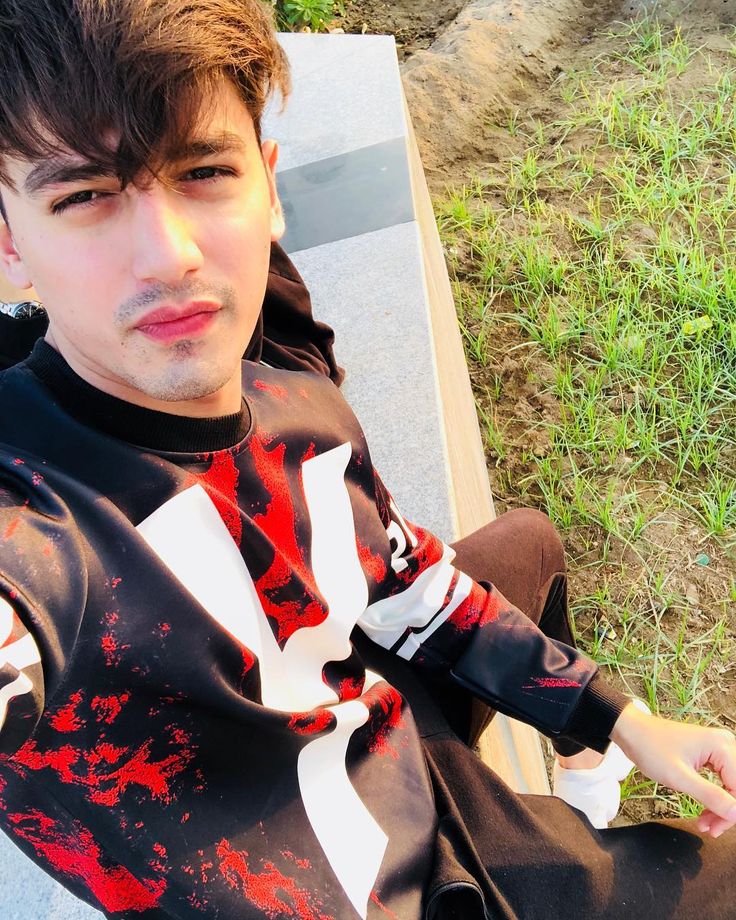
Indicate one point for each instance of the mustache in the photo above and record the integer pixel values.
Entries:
(159, 294)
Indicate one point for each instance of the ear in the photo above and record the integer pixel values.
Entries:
(11, 261)
(270, 153)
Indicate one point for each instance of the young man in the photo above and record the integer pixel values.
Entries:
(192, 724)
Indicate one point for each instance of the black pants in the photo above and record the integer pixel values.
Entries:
(527, 857)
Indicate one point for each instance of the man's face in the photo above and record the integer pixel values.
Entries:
(153, 291)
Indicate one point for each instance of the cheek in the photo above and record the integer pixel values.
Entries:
(60, 263)
(241, 248)
(79, 285)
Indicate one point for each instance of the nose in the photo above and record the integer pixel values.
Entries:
(164, 244)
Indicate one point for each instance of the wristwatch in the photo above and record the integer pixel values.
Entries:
(24, 309)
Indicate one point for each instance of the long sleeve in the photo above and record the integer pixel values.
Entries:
(438, 618)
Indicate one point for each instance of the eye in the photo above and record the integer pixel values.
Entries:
(77, 201)
(208, 173)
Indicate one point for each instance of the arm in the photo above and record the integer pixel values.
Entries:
(440, 619)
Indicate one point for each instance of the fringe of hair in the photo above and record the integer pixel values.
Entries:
(75, 73)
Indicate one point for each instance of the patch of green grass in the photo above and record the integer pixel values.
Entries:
(313, 15)
(608, 243)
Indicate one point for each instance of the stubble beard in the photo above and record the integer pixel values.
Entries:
(185, 378)
(187, 375)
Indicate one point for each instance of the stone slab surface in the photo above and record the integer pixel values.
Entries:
(371, 290)
(347, 95)
(346, 195)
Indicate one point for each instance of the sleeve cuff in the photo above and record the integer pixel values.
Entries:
(597, 712)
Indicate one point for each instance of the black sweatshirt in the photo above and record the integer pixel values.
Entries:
(208, 741)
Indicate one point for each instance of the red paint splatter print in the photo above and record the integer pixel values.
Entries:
(272, 388)
(278, 523)
(159, 865)
(302, 863)
(382, 907)
(429, 550)
(14, 524)
(312, 723)
(478, 609)
(272, 892)
(351, 688)
(106, 786)
(112, 650)
(221, 484)
(372, 563)
(78, 856)
(309, 453)
(108, 708)
(66, 718)
(551, 682)
(249, 660)
(384, 703)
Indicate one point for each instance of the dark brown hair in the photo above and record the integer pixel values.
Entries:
(74, 73)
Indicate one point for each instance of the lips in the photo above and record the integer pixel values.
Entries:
(168, 323)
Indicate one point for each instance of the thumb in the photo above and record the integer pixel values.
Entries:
(715, 799)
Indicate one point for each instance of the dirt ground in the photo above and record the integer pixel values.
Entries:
(465, 64)
(415, 23)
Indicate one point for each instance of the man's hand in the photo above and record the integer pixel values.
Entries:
(673, 753)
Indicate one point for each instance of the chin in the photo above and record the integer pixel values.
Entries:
(186, 381)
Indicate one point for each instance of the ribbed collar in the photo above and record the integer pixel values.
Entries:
(145, 428)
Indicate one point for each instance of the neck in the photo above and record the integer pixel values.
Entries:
(145, 428)
(224, 401)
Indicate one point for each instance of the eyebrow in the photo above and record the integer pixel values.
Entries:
(62, 171)
(207, 146)
(59, 171)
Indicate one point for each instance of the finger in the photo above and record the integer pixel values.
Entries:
(723, 758)
(705, 820)
(711, 824)
(715, 799)
(719, 826)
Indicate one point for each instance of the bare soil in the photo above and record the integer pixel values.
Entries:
(465, 64)
(415, 23)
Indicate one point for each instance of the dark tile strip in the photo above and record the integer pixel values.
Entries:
(347, 195)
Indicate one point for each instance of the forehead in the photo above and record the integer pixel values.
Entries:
(224, 126)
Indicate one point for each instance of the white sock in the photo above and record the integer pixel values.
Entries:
(596, 792)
